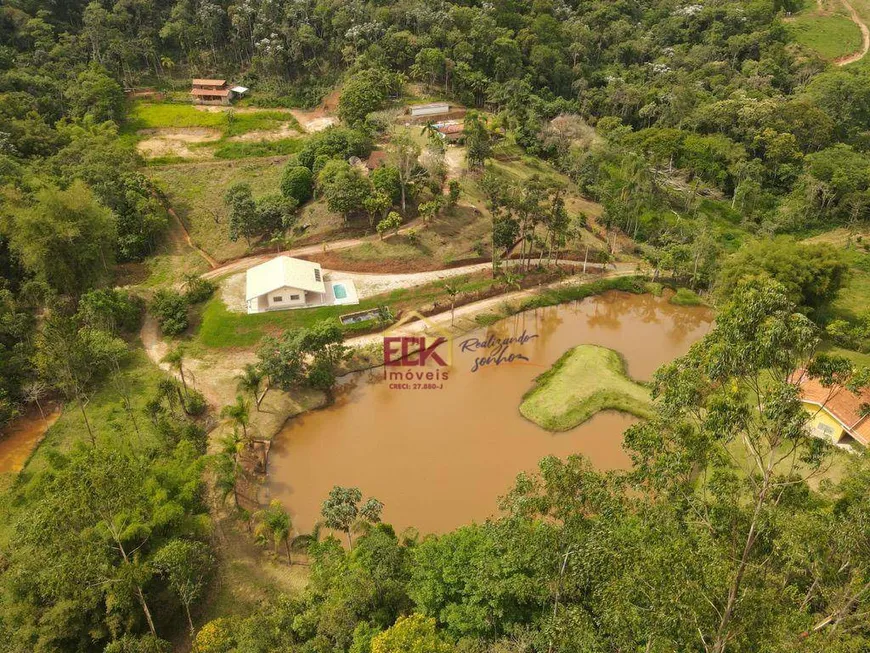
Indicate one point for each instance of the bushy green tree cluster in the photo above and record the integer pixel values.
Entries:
(304, 357)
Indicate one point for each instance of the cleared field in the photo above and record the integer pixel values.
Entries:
(461, 234)
(196, 192)
(178, 132)
(148, 115)
(832, 36)
(585, 380)
(854, 299)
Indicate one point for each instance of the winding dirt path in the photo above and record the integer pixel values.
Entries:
(865, 37)
(242, 264)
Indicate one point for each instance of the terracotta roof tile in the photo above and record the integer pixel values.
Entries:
(841, 403)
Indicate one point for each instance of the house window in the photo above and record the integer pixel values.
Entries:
(277, 298)
(825, 431)
(293, 298)
(316, 274)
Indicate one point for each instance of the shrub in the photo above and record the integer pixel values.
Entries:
(111, 310)
(195, 402)
(170, 309)
(198, 289)
(296, 183)
(391, 223)
(685, 297)
(334, 142)
(454, 189)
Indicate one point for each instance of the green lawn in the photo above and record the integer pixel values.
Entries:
(220, 328)
(249, 149)
(105, 410)
(854, 299)
(585, 380)
(196, 191)
(151, 115)
(395, 248)
(685, 297)
(831, 36)
(272, 130)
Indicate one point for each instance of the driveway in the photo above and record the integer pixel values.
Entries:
(370, 284)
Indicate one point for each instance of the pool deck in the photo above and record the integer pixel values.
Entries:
(351, 298)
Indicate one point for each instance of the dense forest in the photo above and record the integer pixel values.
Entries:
(690, 123)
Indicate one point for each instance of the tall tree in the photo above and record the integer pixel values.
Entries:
(73, 359)
(404, 153)
(66, 238)
(341, 510)
(741, 382)
(187, 564)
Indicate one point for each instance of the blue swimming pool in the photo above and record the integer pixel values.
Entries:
(339, 291)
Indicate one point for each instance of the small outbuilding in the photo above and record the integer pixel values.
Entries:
(215, 91)
(452, 132)
(431, 109)
(211, 91)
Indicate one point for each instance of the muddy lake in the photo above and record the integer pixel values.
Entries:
(440, 457)
(20, 438)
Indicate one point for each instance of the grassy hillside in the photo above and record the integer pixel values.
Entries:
(831, 36)
(196, 192)
(585, 380)
(147, 115)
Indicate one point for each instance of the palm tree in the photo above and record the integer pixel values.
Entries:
(239, 413)
(233, 445)
(175, 359)
(249, 381)
(274, 522)
(227, 473)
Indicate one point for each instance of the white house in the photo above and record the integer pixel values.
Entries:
(286, 282)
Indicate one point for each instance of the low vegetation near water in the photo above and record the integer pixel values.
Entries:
(584, 381)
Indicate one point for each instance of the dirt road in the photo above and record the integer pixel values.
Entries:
(865, 37)
(215, 377)
(371, 284)
(242, 264)
(464, 313)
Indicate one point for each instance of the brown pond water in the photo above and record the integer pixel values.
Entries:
(20, 438)
(440, 458)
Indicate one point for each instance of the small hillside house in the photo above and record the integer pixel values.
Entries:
(215, 91)
(284, 283)
(836, 414)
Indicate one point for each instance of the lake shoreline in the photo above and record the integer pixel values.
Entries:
(395, 439)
